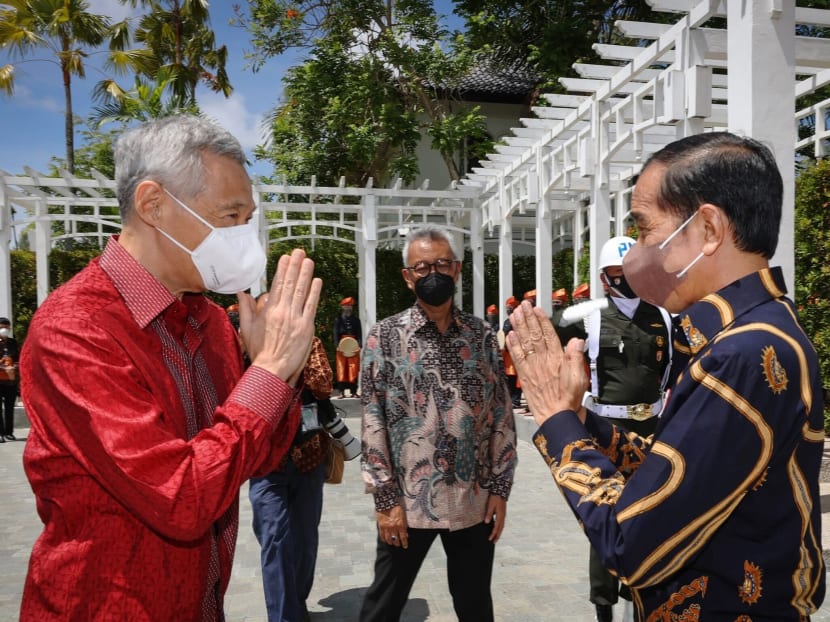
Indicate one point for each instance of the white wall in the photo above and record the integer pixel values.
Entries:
(499, 119)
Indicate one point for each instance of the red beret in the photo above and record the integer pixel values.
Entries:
(582, 291)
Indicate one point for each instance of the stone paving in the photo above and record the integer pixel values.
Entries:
(540, 571)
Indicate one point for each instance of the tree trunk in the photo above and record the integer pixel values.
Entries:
(69, 121)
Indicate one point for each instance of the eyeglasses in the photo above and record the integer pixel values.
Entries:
(422, 268)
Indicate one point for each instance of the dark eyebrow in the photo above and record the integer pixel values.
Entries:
(234, 205)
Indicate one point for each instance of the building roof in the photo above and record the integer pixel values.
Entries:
(491, 80)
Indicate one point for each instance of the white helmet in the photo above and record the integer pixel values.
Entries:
(614, 250)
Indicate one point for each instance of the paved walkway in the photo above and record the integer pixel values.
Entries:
(540, 569)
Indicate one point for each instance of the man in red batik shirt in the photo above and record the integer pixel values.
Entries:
(143, 424)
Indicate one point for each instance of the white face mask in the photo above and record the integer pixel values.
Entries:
(229, 259)
(5, 332)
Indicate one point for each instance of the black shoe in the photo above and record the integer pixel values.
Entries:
(10, 437)
(2, 440)
(605, 613)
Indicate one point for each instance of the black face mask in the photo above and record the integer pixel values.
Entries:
(435, 288)
(620, 286)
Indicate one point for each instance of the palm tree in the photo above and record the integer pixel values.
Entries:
(178, 39)
(143, 102)
(63, 27)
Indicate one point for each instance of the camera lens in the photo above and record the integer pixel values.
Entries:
(340, 434)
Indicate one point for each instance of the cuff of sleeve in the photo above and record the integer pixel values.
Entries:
(386, 499)
(600, 428)
(557, 432)
(265, 394)
(501, 488)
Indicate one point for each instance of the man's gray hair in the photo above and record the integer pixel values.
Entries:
(429, 232)
(169, 151)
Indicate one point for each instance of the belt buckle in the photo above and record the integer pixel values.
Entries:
(639, 412)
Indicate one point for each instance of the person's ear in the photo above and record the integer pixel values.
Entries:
(457, 272)
(716, 228)
(149, 202)
(407, 277)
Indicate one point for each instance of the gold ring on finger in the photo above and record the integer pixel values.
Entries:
(529, 352)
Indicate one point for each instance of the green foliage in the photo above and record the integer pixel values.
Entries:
(63, 29)
(24, 291)
(452, 130)
(563, 269)
(377, 76)
(549, 35)
(342, 117)
(336, 264)
(178, 43)
(524, 276)
(812, 271)
(95, 154)
(583, 266)
(146, 100)
(64, 264)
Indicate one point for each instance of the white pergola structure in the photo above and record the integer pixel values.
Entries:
(367, 217)
(562, 179)
(571, 166)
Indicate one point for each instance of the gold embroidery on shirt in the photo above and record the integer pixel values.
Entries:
(694, 337)
(775, 374)
(665, 612)
(743, 618)
(750, 590)
(542, 445)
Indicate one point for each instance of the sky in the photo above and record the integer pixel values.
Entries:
(32, 120)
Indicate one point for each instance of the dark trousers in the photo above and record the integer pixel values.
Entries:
(469, 570)
(287, 506)
(342, 386)
(515, 392)
(605, 587)
(8, 396)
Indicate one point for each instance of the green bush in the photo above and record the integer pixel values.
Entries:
(812, 270)
(24, 291)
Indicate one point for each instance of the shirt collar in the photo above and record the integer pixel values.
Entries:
(418, 318)
(702, 321)
(144, 296)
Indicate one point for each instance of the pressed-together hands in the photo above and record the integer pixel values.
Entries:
(552, 379)
(278, 336)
